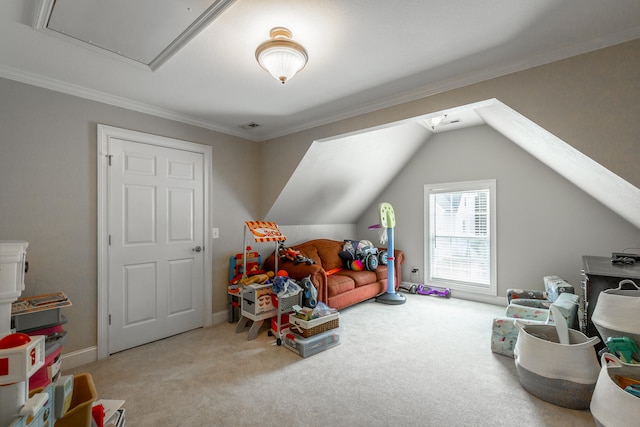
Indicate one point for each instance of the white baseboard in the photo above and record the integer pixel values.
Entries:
(90, 354)
(488, 299)
(220, 317)
(79, 358)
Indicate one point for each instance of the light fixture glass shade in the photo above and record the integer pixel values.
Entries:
(433, 122)
(281, 56)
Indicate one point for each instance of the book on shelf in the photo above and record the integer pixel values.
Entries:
(35, 303)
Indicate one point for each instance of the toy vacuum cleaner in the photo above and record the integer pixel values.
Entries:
(388, 221)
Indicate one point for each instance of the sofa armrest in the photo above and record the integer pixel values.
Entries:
(315, 272)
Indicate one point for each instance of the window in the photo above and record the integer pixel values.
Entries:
(460, 235)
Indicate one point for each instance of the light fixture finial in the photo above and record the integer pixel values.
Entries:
(281, 56)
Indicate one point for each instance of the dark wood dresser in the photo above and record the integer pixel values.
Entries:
(600, 274)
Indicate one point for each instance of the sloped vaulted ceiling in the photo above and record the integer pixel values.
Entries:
(316, 194)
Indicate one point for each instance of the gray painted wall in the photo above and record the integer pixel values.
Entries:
(48, 195)
(544, 223)
(48, 173)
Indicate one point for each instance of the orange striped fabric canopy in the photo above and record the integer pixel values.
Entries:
(264, 231)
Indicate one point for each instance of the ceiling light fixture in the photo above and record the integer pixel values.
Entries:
(281, 56)
(433, 122)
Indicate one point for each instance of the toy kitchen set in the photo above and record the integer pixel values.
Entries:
(32, 393)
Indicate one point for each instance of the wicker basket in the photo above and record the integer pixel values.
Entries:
(309, 328)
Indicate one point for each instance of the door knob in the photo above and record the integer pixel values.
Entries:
(197, 249)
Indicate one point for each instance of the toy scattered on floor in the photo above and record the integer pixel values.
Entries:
(429, 290)
(409, 287)
(416, 288)
(293, 255)
(386, 225)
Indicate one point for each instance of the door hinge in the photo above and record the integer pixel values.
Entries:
(109, 319)
(109, 156)
(109, 239)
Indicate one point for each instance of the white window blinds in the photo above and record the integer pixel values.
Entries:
(459, 234)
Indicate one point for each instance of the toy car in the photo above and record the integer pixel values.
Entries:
(365, 252)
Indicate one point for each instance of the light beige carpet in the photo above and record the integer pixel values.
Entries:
(424, 363)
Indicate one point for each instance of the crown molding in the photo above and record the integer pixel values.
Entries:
(116, 101)
(345, 113)
(467, 79)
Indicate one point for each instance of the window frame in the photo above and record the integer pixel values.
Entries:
(453, 187)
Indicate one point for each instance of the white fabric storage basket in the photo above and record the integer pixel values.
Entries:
(562, 374)
(610, 404)
(617, 312)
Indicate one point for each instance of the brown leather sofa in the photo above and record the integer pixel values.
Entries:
(342, 288)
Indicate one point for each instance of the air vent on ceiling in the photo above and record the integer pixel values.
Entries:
(251, 125)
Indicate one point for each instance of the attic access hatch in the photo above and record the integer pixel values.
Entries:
(145, 32)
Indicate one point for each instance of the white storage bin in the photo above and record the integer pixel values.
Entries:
(13, 254)
(616, 313)
(306, 347)
(610, 404)
(562, 374)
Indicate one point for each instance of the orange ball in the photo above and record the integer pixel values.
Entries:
(282, 273)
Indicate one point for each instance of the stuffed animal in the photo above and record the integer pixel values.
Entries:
(256, 278)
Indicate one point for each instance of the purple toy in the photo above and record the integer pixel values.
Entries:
(439, 292)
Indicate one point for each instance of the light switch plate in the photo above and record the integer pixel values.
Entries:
(215, 233)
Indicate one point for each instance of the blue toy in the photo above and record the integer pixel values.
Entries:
(388, 221)
(623, 347)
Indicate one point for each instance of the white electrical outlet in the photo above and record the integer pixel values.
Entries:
(215, 233)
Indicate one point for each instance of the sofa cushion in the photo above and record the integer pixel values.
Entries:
(312, 252)
(338, 284)
(382, 272)
(360, 278)
(330, 256)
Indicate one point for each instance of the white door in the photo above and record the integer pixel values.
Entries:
(156, 240)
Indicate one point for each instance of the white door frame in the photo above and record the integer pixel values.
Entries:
(104, 134)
